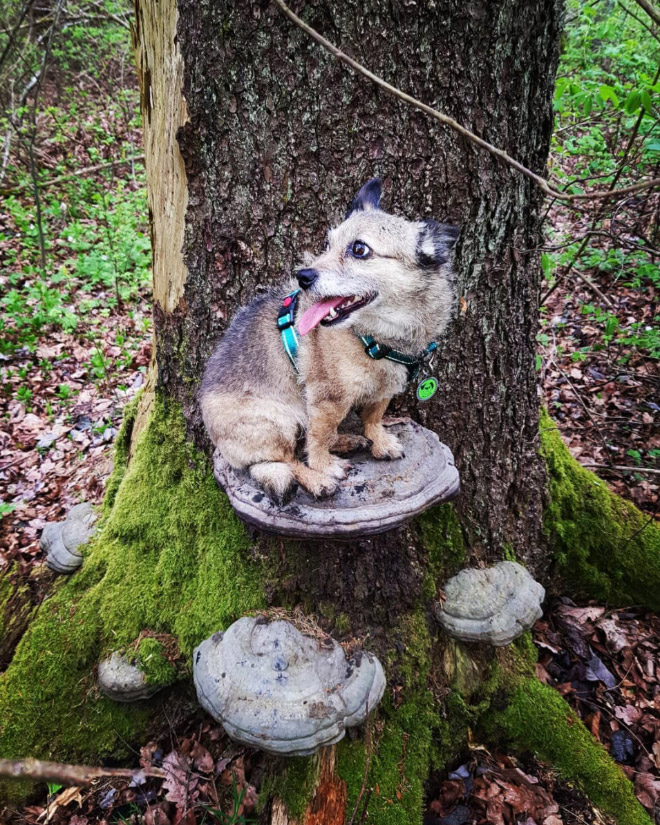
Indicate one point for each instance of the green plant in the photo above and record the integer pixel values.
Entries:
(234, 817)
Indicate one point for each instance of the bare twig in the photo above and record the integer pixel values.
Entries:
(640, 20)
(601, 210)
(453, 124)
(650, 9)
(84, 171)
(69, 774)
(624, 467)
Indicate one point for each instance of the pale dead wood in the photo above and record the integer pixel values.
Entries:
(159, 66)
(453, 124)
(69, 774)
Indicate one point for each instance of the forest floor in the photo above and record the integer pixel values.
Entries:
(75, 343)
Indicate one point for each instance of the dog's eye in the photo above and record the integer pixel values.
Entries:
(359, 249)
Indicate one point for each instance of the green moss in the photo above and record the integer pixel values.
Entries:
(120, 458)
(342, 624)
(410, 738)
(154, 663)
(442, 537)
(538, 719)
(414, 639)
(171, 557)
(8, 593)
(405, 740)
(604, 546)
(293, 783)
(399, 765)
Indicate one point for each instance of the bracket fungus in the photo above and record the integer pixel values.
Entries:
(121, 679)
(60, 540)
(377, 495)
(494, 605)
(275, 689)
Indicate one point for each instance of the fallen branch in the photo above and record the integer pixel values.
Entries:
(70, 774)
(624, 467)
(84, 171)
(453, 124)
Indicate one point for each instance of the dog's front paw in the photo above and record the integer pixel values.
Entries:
(386, 447)
(339, 468)
(321, 485)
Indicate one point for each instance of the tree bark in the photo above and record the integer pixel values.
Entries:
(276, 136)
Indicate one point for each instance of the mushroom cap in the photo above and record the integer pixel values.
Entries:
(60, 540)
(494, 605)
(122, 680)
(377, 495)
(275, 689)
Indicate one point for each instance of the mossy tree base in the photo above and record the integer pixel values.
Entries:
(171, 558)
(603, 546)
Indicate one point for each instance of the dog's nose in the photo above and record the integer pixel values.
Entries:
(306, 277)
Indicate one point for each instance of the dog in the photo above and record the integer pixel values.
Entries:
(382, 288)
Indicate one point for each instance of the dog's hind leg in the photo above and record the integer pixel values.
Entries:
(276, 478)
(257, 435)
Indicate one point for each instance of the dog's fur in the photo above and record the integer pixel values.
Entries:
(255, 406)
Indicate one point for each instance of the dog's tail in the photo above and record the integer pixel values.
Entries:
(277, 479)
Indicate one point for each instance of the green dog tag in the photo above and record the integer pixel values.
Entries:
(426, 389)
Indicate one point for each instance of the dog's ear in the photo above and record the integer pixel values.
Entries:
(435, 242)
(367, 198)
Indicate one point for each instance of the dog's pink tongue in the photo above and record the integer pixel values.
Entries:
(316, 313)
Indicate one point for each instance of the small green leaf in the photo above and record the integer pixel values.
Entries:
(632, 102)
(608, 93)
(645, 99)
(547, 264)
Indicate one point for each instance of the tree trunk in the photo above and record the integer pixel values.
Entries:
(256, 141)
(278, 137)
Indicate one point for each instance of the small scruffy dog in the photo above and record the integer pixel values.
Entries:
(352, 336)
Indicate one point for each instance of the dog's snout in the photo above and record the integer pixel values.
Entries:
(307, 277)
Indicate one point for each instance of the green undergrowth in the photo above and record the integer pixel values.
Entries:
(537, 719)
(171, 557)
(603, 545)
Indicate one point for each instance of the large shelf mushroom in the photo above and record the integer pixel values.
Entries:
(494, 605)
(377, 496)
(60, 540)
(273, 688)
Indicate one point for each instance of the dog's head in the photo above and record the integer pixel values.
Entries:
(381, 275)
